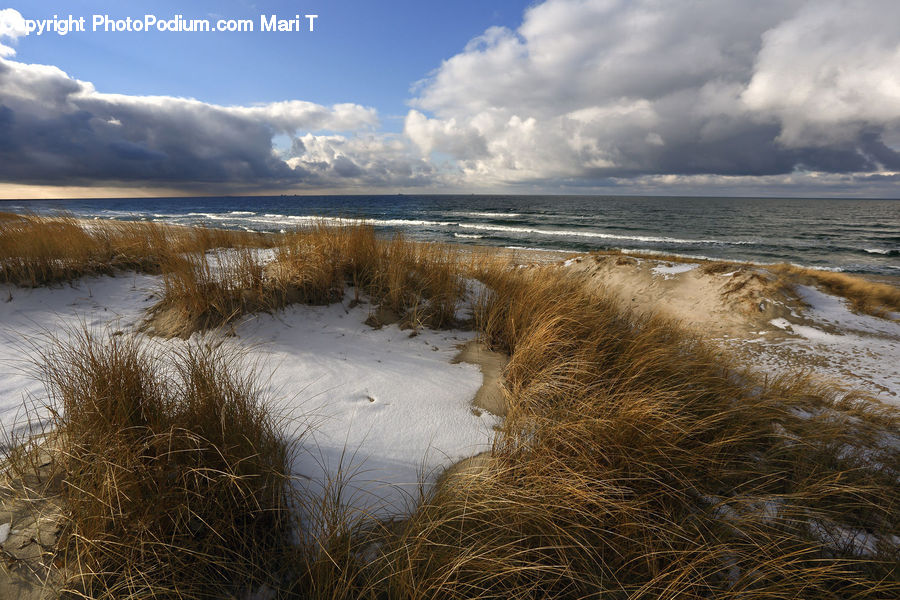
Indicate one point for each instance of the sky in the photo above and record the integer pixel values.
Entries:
(784, 98)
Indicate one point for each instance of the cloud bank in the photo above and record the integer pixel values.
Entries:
(592, 89)
(56, 129)
(584, 94)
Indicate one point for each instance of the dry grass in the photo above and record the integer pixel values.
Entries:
(718, 267)
(172, 475)
(635, 461)
(864, 296)
(204, 292)
(421, 283)
(37, 250)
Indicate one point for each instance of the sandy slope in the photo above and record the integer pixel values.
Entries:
(772, 330)
(387, 410)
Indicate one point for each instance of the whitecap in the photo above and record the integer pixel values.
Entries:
(592, 234)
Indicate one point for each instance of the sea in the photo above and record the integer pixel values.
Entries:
(853, 235)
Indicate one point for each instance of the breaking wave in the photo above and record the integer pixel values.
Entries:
(593, 234)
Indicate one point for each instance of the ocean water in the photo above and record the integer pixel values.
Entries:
(853, 235)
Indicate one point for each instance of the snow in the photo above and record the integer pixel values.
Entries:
(856, 350)
(475, 292)
(224, 259)
(28, 316)
(384, 408)
(670, 271)
(781, 323)
(834, 311)
(817, 335)
(388, 409)
(836, 536)
(852, 539)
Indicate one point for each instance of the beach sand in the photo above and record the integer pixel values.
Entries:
(409, 407)
(771, 328)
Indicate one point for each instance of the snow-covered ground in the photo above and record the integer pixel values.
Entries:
(383, 409)
(668, 271)
(28, 316)
(855, 350)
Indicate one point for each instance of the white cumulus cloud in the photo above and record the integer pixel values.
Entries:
(831, 72)
(12, 27)
(586, 90)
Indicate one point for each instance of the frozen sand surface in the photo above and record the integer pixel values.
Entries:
(768, 332)
(855, 350)
(832, 310)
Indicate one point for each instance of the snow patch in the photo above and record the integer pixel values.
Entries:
(385, 411)
(31, 314)
(781, 323)
(670, 271)
(835, 311)
(860, 351)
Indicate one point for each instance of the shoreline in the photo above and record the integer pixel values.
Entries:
(703, 303)
(718, 238)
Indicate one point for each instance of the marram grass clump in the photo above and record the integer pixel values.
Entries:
(40, 250)
(636, 460)
(173, 473)
(422, 284)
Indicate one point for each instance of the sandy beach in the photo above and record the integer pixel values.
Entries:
(372, 400)
(737, 306)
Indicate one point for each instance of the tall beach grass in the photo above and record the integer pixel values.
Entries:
(636, 460)
(171, 474)
(421, 284)
(40, 250)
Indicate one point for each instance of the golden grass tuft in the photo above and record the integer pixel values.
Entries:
(421, 283)
(202, 291)
(172, 474)
(635, 462)
(718, 267)
(37, 250)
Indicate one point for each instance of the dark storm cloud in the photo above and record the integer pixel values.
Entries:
(603, 88)
(55, 129)
(585, 93)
